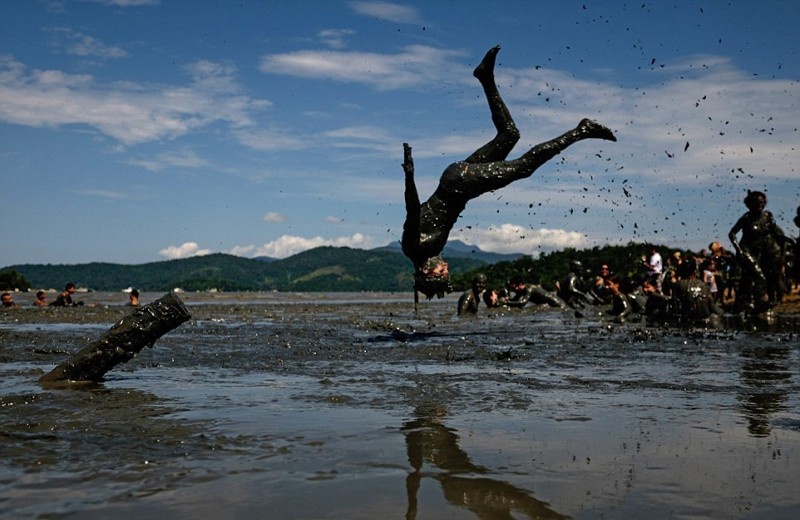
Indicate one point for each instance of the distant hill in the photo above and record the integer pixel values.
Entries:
(458, 249)
(328, 269)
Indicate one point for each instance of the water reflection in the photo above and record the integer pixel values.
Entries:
(430, 441)
(763, 372)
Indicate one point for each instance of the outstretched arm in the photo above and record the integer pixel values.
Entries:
(410, 241)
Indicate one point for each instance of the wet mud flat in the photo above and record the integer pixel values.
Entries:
(353, 406)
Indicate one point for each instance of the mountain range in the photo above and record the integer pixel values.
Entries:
(320, 269)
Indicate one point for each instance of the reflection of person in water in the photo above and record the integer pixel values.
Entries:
(428, 225)
(767, 378)
(429, 440)
(761, 253)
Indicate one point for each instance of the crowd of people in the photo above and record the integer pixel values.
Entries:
(694, 289)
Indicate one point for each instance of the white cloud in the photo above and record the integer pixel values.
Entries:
(126, 111)
(415, 65)
(334, 38)
(268, 139)
(185, 250)
(79, 44)
(388, 11)
(104, 194)
(288, 245)
(273, 217)
(183, 158)
(242, 250)
(512, 238)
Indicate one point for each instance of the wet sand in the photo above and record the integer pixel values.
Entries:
(345, 406)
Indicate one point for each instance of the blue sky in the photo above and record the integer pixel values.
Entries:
(134, 131)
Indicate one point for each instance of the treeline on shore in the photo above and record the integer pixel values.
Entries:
(324, 269)
(549, 268)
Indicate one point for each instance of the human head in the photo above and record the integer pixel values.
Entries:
(8, 300)
(612, 282)
(40, 295)
(576, 265)
(134, 293)
(687, 270)
(479, 281)
(516, 281)
(755, 201)
(604, 270)
(433, 278)
(70, 287)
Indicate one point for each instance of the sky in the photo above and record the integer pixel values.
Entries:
(134, 131)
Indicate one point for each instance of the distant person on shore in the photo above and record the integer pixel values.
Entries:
(64, 298)
(761, 252)
(655, 267)
(709, 270)
(428, 225)
(133, 298)
(469, 300)
(41, 299)
(8, 301)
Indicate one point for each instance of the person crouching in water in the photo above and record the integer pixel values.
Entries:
(469, 300)
(693, 300)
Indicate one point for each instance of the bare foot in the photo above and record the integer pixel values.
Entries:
(485, 69)
(596, 131)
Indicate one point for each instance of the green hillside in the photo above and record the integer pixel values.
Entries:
(324, 269)
(321, 269)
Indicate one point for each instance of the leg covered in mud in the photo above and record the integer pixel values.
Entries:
(122, 342)
(507, 134)
(477, 179)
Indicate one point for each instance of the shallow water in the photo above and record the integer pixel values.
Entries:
(351, 406)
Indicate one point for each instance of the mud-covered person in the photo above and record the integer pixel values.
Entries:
(694, 302)
(64, 298)
(601, 284)
(469, 301)
(133, 298)
(796, 265)
(523, 293)
(761, 253)
(574, 289)
(621, 305)
(8, 301)
(428, 224)
(41, 299)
